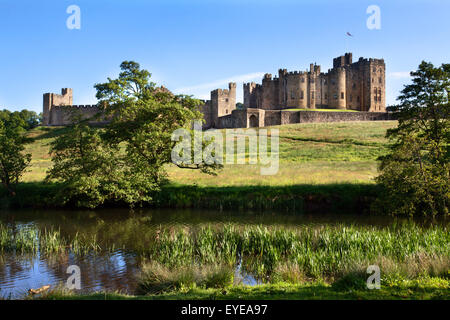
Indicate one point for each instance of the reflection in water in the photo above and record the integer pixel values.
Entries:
(125, 231)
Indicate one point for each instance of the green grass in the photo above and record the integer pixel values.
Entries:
(420, 289)
(317, 153)
(323, 166)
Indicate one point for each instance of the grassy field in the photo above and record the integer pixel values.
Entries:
(421, 289)
(322, 167)
(322, 153)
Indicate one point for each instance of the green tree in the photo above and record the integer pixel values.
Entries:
(13, 161)
(25, 119)
(91, 172)
(125, 160)
(415, 174)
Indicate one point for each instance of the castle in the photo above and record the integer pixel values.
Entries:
(289, 98)
(57, 109)
(352, 86)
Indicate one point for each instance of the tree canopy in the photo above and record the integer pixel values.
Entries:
(415, 174)
(13, 161)
(124, 161)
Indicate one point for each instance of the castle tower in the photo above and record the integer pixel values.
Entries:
(52, 100)
(303, 91)
(223, 102)
(249, 96)
(341, 89)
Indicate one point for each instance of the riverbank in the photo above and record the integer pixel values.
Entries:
(158, 256)
(424, 289)
(333, 198)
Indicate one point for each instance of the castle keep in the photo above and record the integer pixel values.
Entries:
(291, 97)
(348, 85)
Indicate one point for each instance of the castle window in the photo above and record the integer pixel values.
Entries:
(301, 94)
(351, 98)
(342, 95)
(357, 99)
(303, 79)
(379, 79)
(226, 111)
(326, 96)
(335, 96)
(226, 100)
(354, 85)
(325, 81)
(292, 94)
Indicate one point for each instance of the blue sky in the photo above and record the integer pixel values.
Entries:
(195, 46)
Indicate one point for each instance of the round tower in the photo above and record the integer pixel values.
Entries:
(341, 89)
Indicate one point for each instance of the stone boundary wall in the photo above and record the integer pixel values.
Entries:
(272, 118)
(265, 118)
(330, 116)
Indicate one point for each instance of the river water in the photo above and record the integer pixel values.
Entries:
(127, 231)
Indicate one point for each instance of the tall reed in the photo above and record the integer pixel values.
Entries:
(30, 239)
(324, 251)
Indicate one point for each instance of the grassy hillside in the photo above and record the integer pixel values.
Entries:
(322, 153)
(323, 167)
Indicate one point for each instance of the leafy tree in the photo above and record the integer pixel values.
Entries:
(125, 160)
(415, 175)
(13, 161)
(240, 106)
(90, 170)
(25, 119)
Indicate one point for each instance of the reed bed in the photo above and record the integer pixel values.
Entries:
(308, 252)
(30, 239)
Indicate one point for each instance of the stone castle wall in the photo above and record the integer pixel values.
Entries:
(61, 115)
(348, 85)
(58, 109)
(263, 118)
